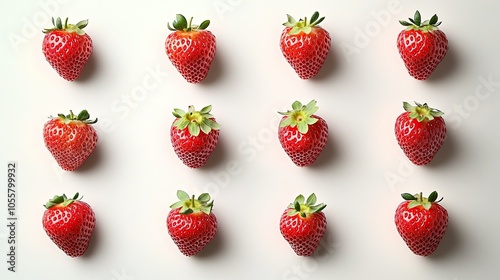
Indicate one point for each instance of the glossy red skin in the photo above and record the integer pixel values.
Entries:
(67, 52)
(306, 53)
(420, 141)
(191, 53)
(304, 149)
(422, 51)
(191, 232)
(70, 144)
(70, 227)
(194, 151)
(422, 230)
(303, 234)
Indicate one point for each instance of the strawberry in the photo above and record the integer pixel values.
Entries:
(305, 45)
(194, 135)
(303, 224)
(191, 223)
(70, 139)
(302, 134)
(69, 222)
(421, 222)
(422, 46)
(190, 48)
(420, 132)
(67, 47)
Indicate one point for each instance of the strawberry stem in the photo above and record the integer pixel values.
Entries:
(83, 116)
(421, 112)
(420, 200)
(61, 200)
(417, 24)
(300, 116)
(303, 25)
(188, 204)
(305, 207)
(195, 121)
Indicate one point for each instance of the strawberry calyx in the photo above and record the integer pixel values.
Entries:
(301, 116)
(181, 24)
(188, 204)
(421, 112)
(59, 25)
(83, 117)
(61, 201)
(195, 120)
(417, 24)
(420, 200)
(304, 207)
(303, 25)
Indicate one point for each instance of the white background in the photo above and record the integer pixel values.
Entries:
(133, 175)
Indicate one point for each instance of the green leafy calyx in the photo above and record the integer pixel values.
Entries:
(303, 25)
(59, 25)
(181, 24)
(301, 116)
(417, 24)
(83, 116)
(61, 201)
(188, 204)
(419, 200)
(421, 112)
(305, 207)
(195, 121)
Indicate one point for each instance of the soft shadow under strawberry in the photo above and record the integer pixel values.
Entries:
(451, 244)
(448, 67)
(92, 162)
(331, 66)
(90, 69)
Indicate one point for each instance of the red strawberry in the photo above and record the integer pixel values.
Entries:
(70, 139)
(305, 45)
(194, 135)
(67, 48)
(69, 223)
(422, 46)
(191, 223)
(303, 225)
(190, 48)
(420, 132)
(421, 222)
(302, 134)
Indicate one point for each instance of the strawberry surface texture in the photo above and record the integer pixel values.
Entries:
(421, 222)
(190, 48)
(67, 48)
(191, 223)
(303, 225)
(305, 45)
(420, 132)
(194, 135)
(69, 223)
(422, 46)
(70, 139)
(302, 134)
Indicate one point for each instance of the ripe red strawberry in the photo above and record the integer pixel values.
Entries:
(302, 134)
(194, 135)
(420, 132)
(305, 45)
(70, 139)
(191, 223)
(303, 225)
(67, 48)
(190, 48)
(422, 46)
(69, 223)
(421, 222)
